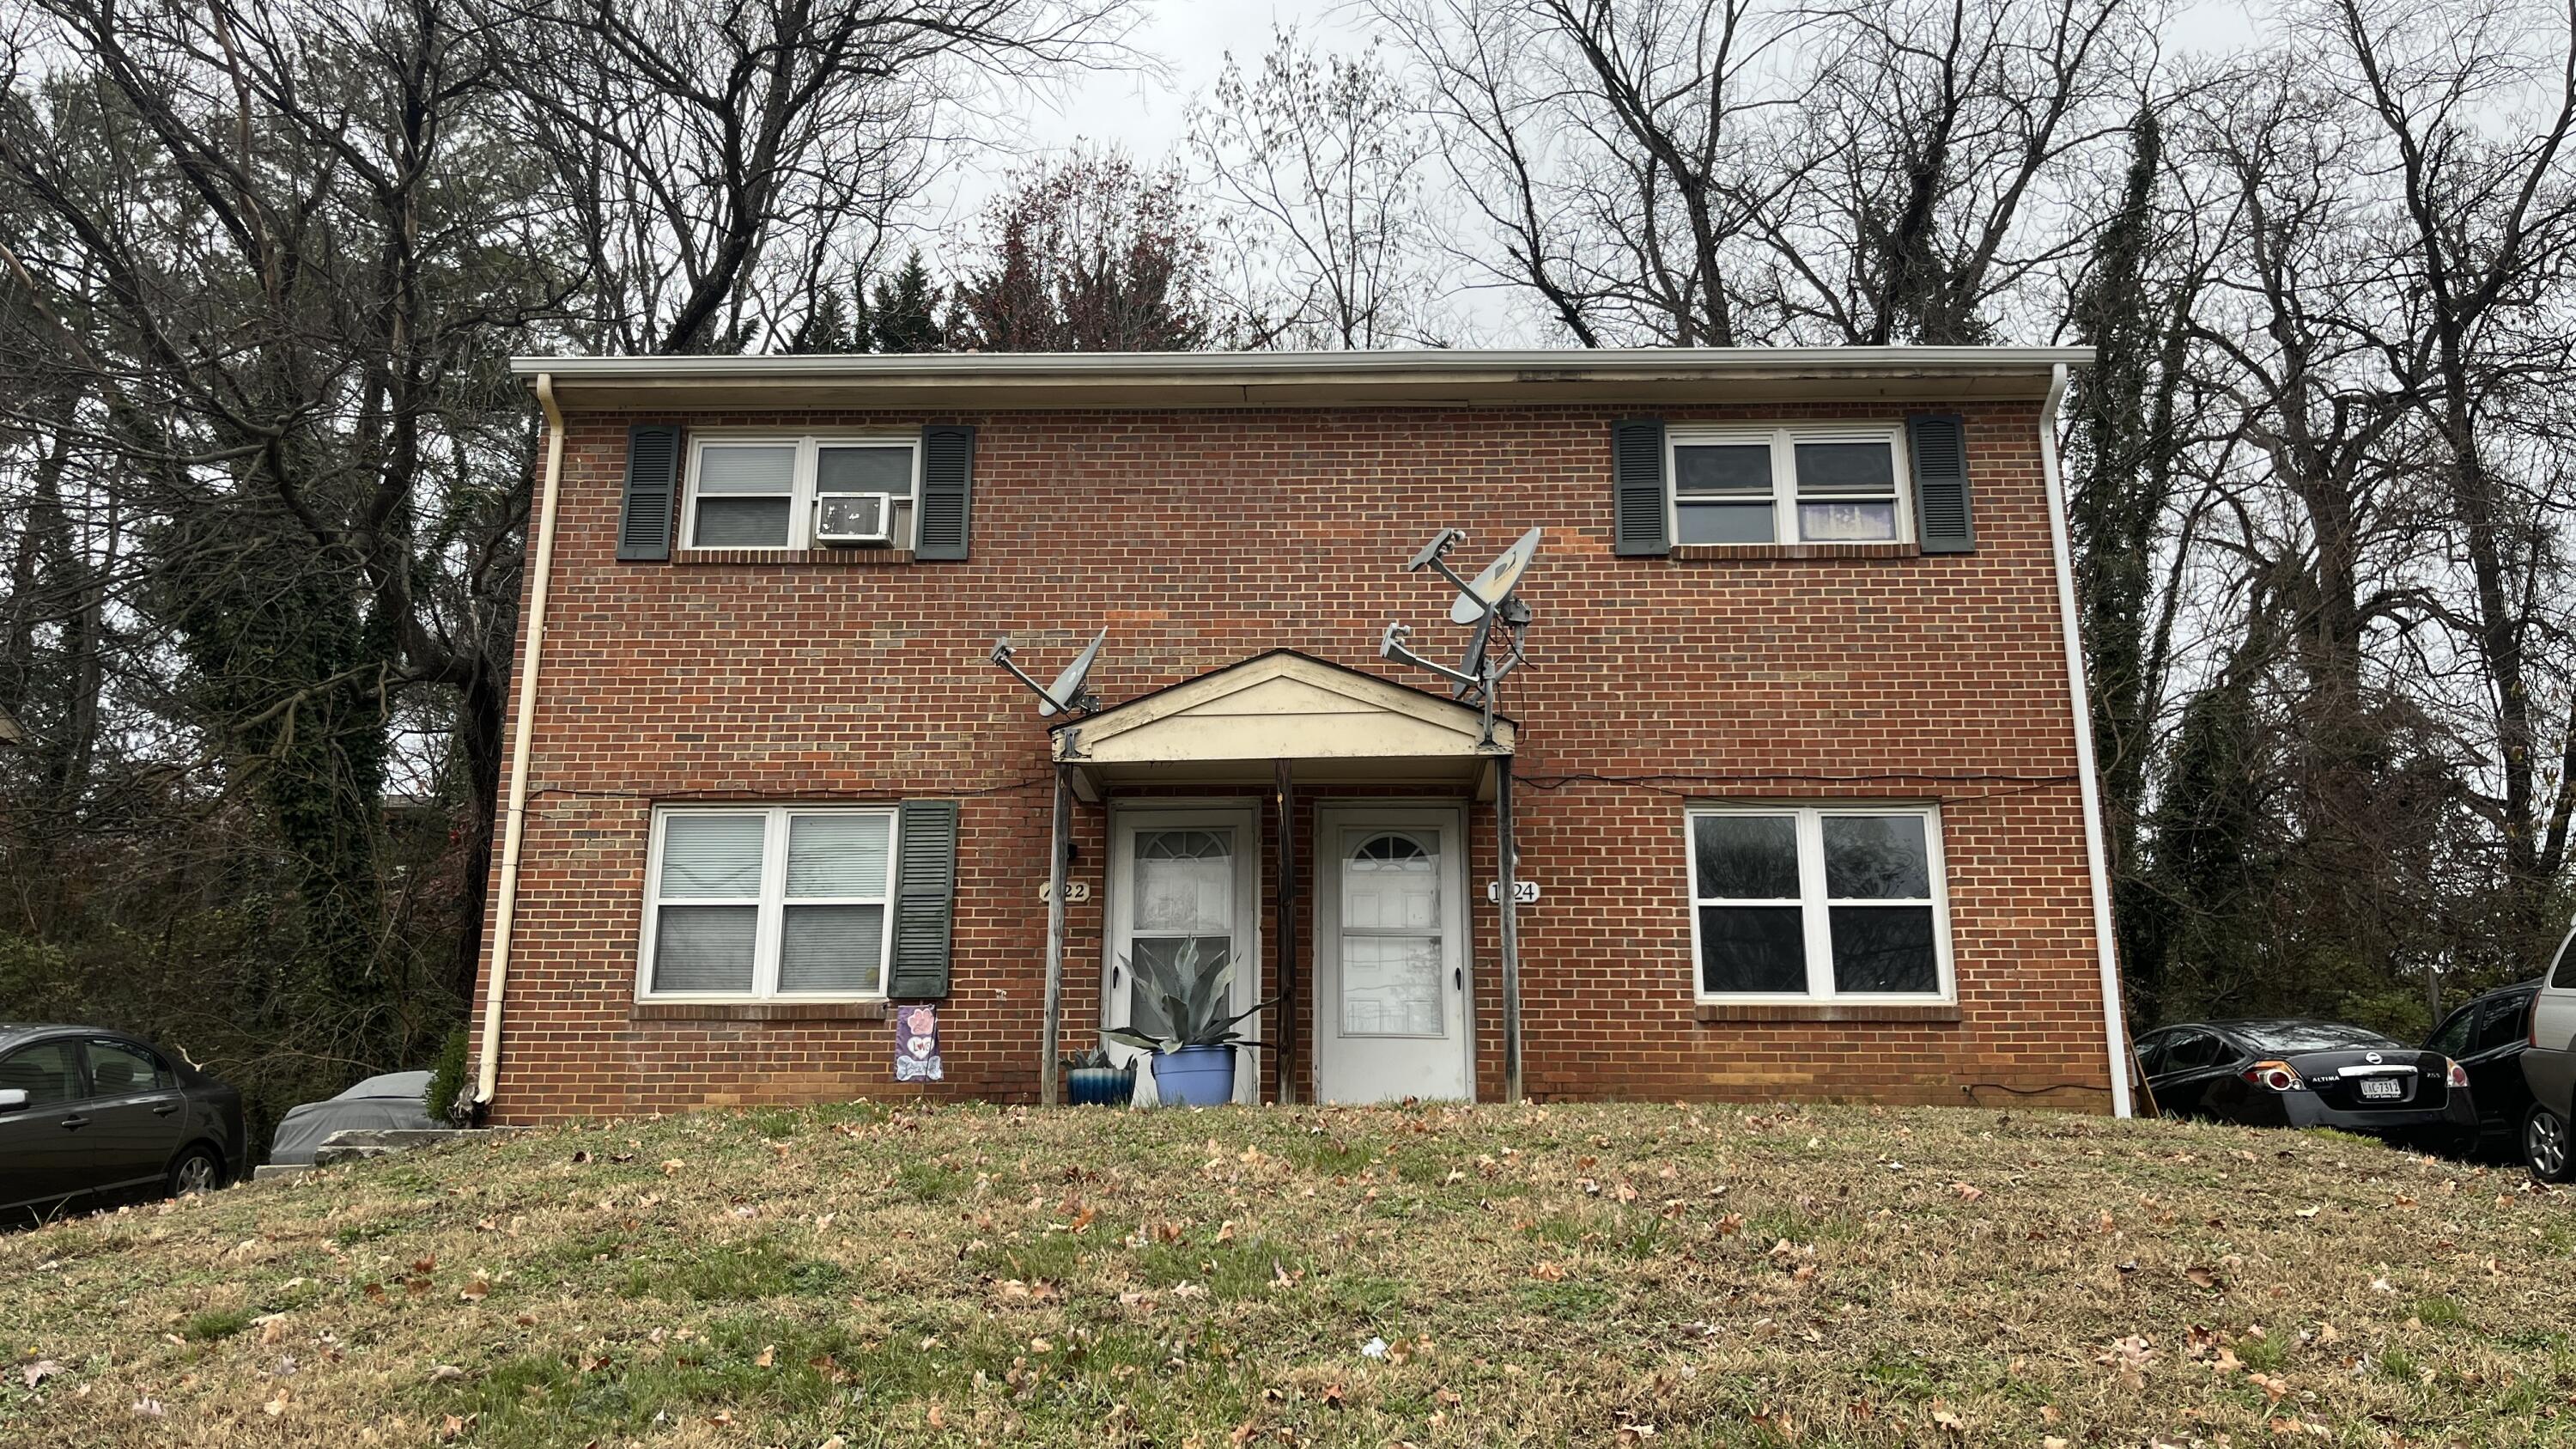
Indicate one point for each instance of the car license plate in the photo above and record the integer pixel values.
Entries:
(2385, 1089)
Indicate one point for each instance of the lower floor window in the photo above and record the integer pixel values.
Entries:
(754, 903)
(1818, 902)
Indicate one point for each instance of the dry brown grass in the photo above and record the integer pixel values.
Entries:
(1532, 1275)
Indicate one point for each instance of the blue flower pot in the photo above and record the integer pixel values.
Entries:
(1200, 1076)
(1100, 1086)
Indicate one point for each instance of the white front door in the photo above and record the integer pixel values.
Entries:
(1182, 883)
(1391, 956)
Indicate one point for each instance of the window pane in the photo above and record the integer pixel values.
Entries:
(711, 855)
(115, 1068)
(831, 948)
(741, 523)
(1884, 948)
(863, 470)
(1730, 468)
(1752, 948)
(1722, 522)
(1845, 468)
(837, 855)
(1746, 857)
(1877, 858)
(1391, 986)
(704, 948)
(1847, 522)
(2505, 1022)
(741, 468)
(2453, 1039)
(1184, 883)
(47, 1072)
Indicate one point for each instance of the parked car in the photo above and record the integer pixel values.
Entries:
(90, 1117)
(2293, 1072)
(2549, 1070)
(2487, 1037)
(393, 1100)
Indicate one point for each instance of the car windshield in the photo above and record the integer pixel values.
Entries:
(2308, 1036)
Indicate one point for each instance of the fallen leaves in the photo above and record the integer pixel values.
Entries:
(39, 1371)
(2127, 1358)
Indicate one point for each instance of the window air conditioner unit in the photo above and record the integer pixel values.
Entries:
(849, 520)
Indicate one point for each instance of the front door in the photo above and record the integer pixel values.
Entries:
(1182, 883)
(1391, 956)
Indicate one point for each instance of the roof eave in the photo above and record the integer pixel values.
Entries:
(1420, 378)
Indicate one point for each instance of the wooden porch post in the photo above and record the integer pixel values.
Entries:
(1285, 801)
(1059, 852)
(1506, 876)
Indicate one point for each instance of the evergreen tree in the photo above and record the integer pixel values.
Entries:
(902, 312)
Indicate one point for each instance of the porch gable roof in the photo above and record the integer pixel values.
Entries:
(1283, 705)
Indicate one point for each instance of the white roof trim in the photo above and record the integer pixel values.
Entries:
(1434, 376)
(1281, 706)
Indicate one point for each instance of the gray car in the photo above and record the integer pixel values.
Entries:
(2549, 1069)
(90, 1117)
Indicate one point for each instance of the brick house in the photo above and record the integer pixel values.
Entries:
(1793, 770)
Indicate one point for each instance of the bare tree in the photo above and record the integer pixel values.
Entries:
(718, 164)
(1316, 164)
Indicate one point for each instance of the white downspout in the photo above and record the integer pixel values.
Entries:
(515, 816)
(2088, 784)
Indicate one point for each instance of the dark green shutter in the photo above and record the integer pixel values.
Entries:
(947, 491)
(1637, 491)
(925, 899)
(1942, 521)
(652, 484)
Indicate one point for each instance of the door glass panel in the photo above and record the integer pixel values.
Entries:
(2506, 1022)
(116, 1070)
(1391, 974)
(1182, 916)
(47, 1072)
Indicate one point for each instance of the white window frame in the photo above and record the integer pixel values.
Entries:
(771, 902)
(1814, 916)
(802, 491)
(1783, 440)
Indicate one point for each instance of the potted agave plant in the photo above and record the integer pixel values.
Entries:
(1180, 1014)
(1093, 1079)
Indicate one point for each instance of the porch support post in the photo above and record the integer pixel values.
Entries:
(1059, 853)
(1506, 875)
(1285, 801)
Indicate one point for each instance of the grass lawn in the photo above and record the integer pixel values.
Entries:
(867, 1274)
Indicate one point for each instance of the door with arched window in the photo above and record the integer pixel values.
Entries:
(1391, 996)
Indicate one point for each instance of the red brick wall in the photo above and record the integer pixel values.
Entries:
(1201, 537)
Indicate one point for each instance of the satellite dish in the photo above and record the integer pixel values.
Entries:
(1068, 686)
(1488, 590)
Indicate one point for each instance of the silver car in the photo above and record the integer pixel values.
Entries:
(2549, 1067)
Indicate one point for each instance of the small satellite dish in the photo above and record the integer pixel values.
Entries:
(1067, 692)
(1488, 590)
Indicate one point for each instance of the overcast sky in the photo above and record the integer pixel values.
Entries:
(1191, 38)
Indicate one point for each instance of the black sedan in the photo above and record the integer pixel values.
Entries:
(2288, 1072)
(89, 1118)
(2487, 1037)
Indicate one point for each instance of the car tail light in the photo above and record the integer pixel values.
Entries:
(2279, 1076)
(2458, 1077)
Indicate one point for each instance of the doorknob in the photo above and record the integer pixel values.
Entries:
(1458, 977)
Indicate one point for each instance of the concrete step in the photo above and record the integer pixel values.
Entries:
(357, 1145)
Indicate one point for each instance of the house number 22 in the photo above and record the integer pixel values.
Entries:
(1075, 891)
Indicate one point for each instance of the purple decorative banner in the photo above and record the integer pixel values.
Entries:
(916, 1044)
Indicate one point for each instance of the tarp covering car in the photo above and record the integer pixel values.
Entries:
(390, 1101)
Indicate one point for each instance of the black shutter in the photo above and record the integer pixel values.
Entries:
(652, 485)
(1637, 491)
(925, 899)
(1942, 521)
(947, 491)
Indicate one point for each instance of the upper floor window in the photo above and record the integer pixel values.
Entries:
(1815, 903)
(768, 490)
(1817, 483)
